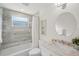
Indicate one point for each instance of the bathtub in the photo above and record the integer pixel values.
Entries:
(20, 50)
(21, 53)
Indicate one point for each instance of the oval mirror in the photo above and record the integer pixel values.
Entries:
(65, 24)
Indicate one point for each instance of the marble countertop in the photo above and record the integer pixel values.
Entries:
(60, 48)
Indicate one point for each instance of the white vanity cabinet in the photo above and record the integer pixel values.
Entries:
(56, 49)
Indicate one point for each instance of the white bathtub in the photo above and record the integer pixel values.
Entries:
(21, 53)
(20, 50)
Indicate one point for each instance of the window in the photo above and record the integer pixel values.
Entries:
(19, 22)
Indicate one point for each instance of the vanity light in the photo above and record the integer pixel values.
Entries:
(62, 5)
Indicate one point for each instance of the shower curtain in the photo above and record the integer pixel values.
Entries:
(35, 31)
(0, 26)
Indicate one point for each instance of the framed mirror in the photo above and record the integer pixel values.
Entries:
(65, 24)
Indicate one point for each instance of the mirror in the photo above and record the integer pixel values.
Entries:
(65, 24)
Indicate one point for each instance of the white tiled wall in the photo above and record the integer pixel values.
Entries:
(9, 35)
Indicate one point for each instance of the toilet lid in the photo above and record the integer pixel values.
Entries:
(34, 51)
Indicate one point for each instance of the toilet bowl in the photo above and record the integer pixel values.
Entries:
(35, 52)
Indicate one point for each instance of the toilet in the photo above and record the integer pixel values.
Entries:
(35, 52)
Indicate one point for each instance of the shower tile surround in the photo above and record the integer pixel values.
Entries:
(9, 39)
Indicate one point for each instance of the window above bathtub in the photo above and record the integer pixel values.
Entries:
(20, 22)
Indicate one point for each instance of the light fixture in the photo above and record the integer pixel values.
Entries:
(62, 5)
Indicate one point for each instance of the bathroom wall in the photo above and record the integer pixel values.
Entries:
(51, 32)
(7, 27)
(11, 34)
(51, 20)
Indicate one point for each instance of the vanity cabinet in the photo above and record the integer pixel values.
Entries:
(56, 49)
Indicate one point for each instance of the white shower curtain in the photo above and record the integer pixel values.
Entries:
(35, 31)
(0, 26)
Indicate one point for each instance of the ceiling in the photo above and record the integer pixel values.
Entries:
(32, 8)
